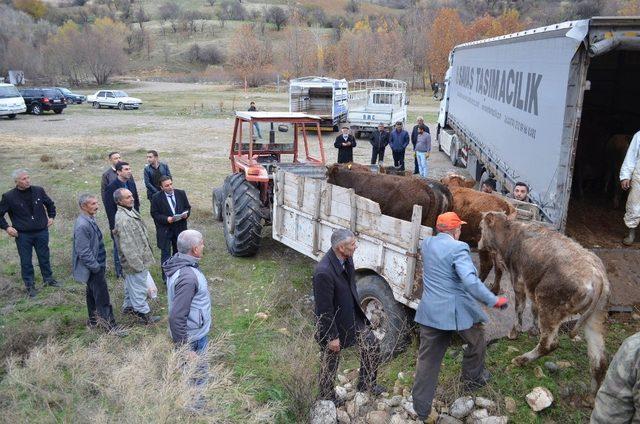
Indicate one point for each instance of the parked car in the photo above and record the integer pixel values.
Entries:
(39, 100)
(113, 98)
(11, 102)
(72, 98)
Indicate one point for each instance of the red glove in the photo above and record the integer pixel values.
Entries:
(502, 303)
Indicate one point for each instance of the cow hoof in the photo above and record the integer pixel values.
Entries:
(513, 334)
(519, 360)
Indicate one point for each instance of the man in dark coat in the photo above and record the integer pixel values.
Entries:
(124, 179)
(341, 323)
(345, 143)
(154, 170)
(170, 209)
(31, 212)
(398, 141)
(379, 141)
(414, 140)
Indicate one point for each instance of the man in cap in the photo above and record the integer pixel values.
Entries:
(449, 304)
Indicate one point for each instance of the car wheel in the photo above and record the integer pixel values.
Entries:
(57, 111)
(12, 116)
(121, 106)
(96, 105)
(36, 109)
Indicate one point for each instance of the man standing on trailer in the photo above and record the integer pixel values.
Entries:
(345, 143)
(630, 179)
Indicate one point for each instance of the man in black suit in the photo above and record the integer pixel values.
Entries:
(124, 179)
(341, 322)
(345, 143)
(379, 141)
(170, 209)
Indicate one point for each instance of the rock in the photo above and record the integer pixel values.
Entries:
(564, 364)
(378, 417)
(540, 398)
(485, 403)
(566, 391)
(394, 401)
(343, 417)
(382, 406)
(477, 415)
(551, 366)
(577, 339)
(261, 315)
(406, 392)
(408, 407)
(324, 412)
(396, 419)
(350, 407)
(402, 376)
(361, 399)
(342, 379)
(341, 392)
(348, 386)
(511, 349)
(537, 371)
(635, 316)
(461, 407)
(284, 331)
(510, 405)
(494, 420)
(448, 419)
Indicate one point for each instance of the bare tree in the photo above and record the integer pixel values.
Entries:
(104, 43)
(251, 56)
(277, 16)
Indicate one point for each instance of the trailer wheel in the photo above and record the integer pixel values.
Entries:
(217, 199)
(389, 319)
(241, 214)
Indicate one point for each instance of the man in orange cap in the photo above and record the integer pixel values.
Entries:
(449, 304)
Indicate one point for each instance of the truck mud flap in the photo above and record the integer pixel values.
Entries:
(623, 271)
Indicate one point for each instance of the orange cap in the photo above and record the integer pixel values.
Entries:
(448, 221)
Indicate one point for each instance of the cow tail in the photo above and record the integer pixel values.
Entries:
(598, 303)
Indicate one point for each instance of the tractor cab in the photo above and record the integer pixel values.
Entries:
(263, 142)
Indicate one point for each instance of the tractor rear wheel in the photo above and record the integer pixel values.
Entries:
(241, 215)
(389, 319)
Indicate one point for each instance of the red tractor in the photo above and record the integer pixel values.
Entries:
(244, 203)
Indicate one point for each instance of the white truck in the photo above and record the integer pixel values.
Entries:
(320, 96)
(375, 101)
(539, 106)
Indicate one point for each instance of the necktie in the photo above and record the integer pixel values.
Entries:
(173, 202)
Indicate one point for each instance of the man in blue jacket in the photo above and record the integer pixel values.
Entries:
(449, 304)
(398, 141)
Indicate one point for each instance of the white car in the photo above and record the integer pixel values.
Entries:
(11, 102)
(113, 98)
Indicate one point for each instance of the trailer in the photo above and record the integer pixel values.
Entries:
(321, 96)
(539, 106)
(375, 101)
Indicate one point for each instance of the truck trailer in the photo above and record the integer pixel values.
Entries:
(325, 97)
(540, 107)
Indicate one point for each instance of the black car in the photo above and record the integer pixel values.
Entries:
(39, 100)
(72, 98)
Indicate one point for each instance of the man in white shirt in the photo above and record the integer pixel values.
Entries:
(630, 179)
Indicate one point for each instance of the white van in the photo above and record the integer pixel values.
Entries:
(11, 102)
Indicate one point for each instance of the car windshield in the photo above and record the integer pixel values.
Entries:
(120, 94)
(8, 92)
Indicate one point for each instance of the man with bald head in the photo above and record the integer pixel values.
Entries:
(31, 212)
(136, 257)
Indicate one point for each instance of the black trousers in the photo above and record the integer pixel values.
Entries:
(98, 301)
(369, 361)
(26, 243)
(416, 169)
(170, 245)
(398, 159)
(433, 345)
(377, 155)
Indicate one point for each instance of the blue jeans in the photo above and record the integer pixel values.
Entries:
(199, 346)
(116, 258)
(257, 127)
(26, 242)
(202, 369)
(423, 164)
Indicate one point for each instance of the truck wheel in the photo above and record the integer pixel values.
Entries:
(241, 214)
(389, 319)
(217, 203)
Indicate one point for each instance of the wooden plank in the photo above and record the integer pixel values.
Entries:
(279, 212)
(416, 219)
(300, 198)
(316, 218)
(354, 210)
(327, 198)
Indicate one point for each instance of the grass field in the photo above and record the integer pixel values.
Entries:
(55, 370)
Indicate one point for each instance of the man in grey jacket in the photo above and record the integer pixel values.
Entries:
(449, 304)
(89, 263)
(188, 294)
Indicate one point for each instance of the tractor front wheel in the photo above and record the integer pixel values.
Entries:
(241, 215)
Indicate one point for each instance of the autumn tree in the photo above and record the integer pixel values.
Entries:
(105, 54)
(251, 56)
(446, 31)
(299, 53)
(35, 8)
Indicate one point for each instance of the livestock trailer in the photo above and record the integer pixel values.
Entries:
(321, 96)
(539, 106)
(375, 101)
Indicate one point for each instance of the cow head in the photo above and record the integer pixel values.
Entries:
(455, 180)
(332, 172)
(491, 227)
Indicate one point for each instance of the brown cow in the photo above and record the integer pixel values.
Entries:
(470, 205)
(560, 277)
(396, 195)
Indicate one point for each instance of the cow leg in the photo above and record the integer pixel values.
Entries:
(487, 262)
(521, 302)
(535, 330)
(548, 342)
(593, 333)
